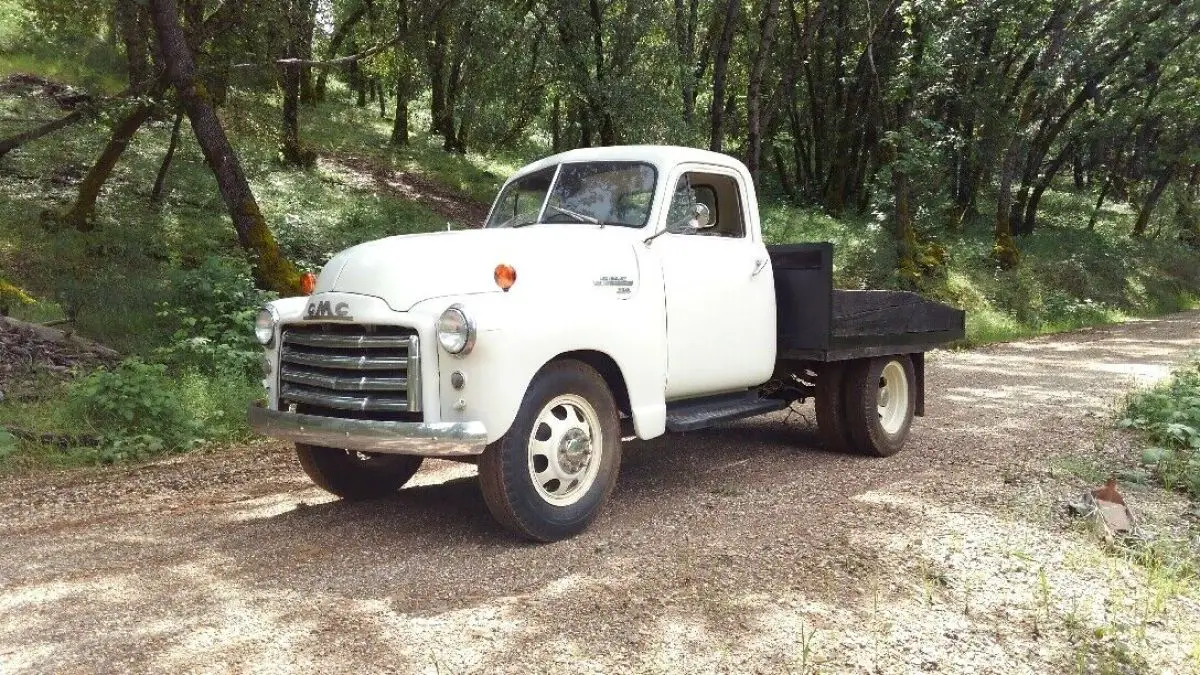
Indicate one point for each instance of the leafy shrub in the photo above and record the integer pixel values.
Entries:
(135, 409)
(1170, 417)
(211, 319)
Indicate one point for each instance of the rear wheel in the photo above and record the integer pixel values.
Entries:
(880, 399)
(356, 475)
(547, 478)
(830, 405)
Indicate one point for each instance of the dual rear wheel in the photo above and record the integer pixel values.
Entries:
(867, 405)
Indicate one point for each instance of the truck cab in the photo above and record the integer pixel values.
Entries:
(612, 293)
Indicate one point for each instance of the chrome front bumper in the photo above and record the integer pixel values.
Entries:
(441, 439)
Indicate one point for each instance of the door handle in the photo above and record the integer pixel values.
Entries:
(759, 265)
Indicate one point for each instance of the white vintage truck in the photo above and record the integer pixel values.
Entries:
(613, 293)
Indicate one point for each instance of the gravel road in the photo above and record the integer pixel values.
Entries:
(742, 549)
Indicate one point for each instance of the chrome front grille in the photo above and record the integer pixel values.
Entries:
(351, 370)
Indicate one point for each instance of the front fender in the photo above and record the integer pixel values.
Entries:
(518, 335)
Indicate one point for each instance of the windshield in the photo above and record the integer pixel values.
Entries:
(597, 193)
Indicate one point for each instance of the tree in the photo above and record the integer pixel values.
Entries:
(271, 269)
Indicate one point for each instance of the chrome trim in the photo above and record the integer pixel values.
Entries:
(288, 374)
(336, 341)
(292, 392)
(440, 439)
(335, 361)
(414, 373)
(409, 385)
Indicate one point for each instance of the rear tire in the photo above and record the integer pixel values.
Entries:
(880, 399)
(547, 478)
(353, 475)
(830, 403)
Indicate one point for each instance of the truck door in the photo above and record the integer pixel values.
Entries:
(720, 295)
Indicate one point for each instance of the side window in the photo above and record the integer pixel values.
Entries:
(719, 193)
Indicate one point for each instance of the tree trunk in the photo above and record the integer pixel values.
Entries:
(1029, 220)
(400, 124)
(437, 79)
(271, 270)
(754, 94)
(686, 21)
(1104, 188)
(556, 126)
(1147, 209)
(1004, 248)
(131, 20)
(335, 44)
(289, 144)
(716, 140)
(81, 213)
(308, 21)
(784, 179)
(13, 142)
(160, 180)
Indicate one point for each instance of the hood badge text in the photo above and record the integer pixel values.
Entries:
(325, 309)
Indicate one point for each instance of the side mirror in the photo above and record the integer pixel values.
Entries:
(701, 217)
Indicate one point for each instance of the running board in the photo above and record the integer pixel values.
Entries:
(702, 413)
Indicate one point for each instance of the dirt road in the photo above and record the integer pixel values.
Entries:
(744, 549)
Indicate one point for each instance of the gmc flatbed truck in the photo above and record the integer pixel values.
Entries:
(613, 293)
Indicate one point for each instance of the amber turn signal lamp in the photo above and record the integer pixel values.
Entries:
(505, 276)
(308, 283)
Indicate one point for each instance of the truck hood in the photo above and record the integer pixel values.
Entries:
(409, 269)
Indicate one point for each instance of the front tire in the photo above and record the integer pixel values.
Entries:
(355, 476)
(881, 397)
(547, 478)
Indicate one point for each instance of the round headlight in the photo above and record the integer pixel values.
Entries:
(456, 331)
(264, 325)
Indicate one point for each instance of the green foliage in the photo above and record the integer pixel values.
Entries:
(135, 409)
(210, 319)
(1169, 416)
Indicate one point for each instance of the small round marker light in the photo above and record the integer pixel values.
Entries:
(505, 276)
(308, 283)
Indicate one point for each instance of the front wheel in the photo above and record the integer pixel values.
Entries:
(356, 475)
(881, 397)
(547, 478)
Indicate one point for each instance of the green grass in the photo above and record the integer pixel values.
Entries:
(1168, 416)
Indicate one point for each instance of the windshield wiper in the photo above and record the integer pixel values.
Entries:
(583, 218)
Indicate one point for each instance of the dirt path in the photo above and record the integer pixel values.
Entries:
(743, 549)
(454, 206)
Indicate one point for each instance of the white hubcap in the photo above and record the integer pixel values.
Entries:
(893, 397)
(564, 450)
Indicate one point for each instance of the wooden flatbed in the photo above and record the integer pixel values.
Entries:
(816, 322)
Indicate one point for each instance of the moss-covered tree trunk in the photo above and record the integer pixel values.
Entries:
(81, 213)
(1004, 248)
(271, 270)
